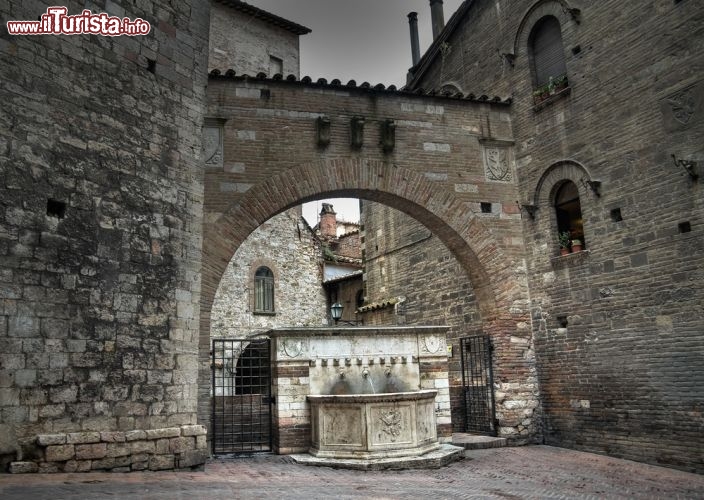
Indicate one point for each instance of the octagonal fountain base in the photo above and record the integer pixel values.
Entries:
(376, 431)
(440, 457)
(373, 425)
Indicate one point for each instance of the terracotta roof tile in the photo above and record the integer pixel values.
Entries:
(366, 86)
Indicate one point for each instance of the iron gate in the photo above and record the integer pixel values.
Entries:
(241, 371)
(478, 385)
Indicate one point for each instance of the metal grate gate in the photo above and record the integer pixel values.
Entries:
(478, 385)
(241, 371)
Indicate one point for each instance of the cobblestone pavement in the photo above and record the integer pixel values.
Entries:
(528, 472)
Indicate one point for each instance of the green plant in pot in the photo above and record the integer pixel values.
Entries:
(564, 239)
(576, 245)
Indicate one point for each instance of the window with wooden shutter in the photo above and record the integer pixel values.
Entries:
(546, 50)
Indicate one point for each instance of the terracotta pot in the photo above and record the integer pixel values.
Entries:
(576, 246)
(564, 251)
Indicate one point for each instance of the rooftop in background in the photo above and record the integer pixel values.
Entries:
(266, 16)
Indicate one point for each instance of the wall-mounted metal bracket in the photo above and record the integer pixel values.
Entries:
(689, 166)
(531, 210)
(595, 186)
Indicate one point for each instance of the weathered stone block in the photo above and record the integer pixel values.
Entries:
(193, 430)
(83, 437)
(181, 444)
(143, 447)
(51, 439)
(77, 466)
(162, 446)
(167, 432)
(113, 437)
(60, 453)
(118, 449)
(192, 458)
(201, 442)
(135, 435)
(161, 462)
(23, 467)
(91, 451)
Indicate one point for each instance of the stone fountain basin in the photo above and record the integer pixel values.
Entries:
(371, 426)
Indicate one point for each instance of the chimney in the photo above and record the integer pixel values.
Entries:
(415, 44)
(438, 18)
(328, 221)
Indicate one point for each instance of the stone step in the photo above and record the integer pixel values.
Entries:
(477, 441)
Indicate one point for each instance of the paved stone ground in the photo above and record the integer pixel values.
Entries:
(528, 472)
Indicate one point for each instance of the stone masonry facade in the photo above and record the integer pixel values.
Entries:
(100, 240)
(617, 328)
(286, 245)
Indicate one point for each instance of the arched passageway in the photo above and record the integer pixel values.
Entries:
(497, 280)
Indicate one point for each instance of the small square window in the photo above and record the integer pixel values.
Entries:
(55, 208)
(485, 207)
(276, 66)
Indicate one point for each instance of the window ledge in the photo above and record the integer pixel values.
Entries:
(264, 313)
(552, 99)
(571, 259)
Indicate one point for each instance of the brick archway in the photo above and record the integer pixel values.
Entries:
(499, 288)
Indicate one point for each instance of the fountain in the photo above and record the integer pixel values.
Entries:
(378, 397)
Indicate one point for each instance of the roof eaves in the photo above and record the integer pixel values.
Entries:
(365, 87)
(258, 13)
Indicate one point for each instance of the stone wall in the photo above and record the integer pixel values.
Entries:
(287, 246)
(243, 42)
(619, 326)
(118, 451)
(100, 227)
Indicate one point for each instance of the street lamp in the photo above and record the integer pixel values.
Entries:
(336, 311)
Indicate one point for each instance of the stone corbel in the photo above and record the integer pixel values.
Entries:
(357, 132)
(322, 126)
(388, 135)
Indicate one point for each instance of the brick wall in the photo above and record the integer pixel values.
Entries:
(437, 173)
(623, 376)
(404, 261)
(99, 293)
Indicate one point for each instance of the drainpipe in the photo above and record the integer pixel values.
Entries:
(437, 16)
(415, 44)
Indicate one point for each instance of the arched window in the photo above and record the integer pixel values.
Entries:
(264, 290)
(546, 51)
(569, 211)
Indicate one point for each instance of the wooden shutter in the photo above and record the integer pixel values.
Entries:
(548, 53)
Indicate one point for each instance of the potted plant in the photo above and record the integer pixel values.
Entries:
(560, 83)
(564, 239)
(576, 245)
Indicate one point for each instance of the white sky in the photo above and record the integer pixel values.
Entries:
(362, 40)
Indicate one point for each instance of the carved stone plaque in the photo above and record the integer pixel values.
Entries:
(432, 344)
(291, 347)
(212, 145)
(497, 164)
(682, 108)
